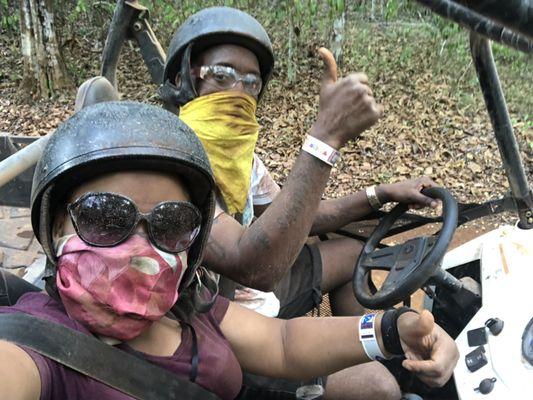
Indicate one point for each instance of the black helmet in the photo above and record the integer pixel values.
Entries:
(210, 27)
(116, 136)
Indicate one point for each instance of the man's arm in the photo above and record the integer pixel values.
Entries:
(259, 256)
(335, 213)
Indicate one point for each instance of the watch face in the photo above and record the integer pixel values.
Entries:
(527, 342)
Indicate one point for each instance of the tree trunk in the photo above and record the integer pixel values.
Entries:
(44, 71)
(338, 36)
(291, 66)
(373, 7)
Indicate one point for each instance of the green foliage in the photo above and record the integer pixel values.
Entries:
(391, 9)
(337, 6)
(9, 18)
(10, 22)
(439, 50)
(79, 10)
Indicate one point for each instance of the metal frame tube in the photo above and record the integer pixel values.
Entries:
(516, 15)
(479, 23)
(503, 130)
(23, 159)
(130, 21)
(117, 34)
(153, 54)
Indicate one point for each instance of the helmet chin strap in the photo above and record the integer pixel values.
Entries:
(174, 96)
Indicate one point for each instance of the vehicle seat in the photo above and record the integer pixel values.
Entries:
(93, 91)
(12, 287)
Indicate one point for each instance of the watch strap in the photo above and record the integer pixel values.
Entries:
(389, 330)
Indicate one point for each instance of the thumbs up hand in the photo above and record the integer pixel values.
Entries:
(347, 106)
(430, 353)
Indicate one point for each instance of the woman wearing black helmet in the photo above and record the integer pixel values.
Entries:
(122, 203)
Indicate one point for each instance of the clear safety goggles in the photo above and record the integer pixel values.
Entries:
(226, 78)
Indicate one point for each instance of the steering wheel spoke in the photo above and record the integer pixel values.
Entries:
(382, 259)
(399, 260)
(392, 279)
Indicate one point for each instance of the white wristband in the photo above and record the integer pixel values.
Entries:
(321, 150)
(367, 336)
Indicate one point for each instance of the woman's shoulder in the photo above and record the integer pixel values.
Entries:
(219, 370)
(208, 322)
(214, 315)
(41, 305)
(219, 309)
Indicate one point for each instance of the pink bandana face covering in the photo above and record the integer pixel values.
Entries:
(117, 291)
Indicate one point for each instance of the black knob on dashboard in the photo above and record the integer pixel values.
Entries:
(486, 386)
(495, 325)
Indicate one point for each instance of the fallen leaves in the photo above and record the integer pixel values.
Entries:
(423, 132)
(474, 167)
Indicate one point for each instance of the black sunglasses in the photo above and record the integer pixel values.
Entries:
(107, 219)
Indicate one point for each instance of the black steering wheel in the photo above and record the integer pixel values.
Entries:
(410, 264)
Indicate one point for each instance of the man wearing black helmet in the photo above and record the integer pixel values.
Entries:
(218, 65)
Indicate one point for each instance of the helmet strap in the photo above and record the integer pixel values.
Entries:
(50, 281)
(205, 291)
(45, 231)
(174, 96)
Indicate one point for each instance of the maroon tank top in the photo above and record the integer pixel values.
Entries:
(218, 368)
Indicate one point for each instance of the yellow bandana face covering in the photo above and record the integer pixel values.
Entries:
(226, 125)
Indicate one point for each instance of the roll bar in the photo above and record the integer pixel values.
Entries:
(130, 21)
(503, 129)
(492, 19)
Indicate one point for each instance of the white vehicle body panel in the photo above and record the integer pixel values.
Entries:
(506, 260)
